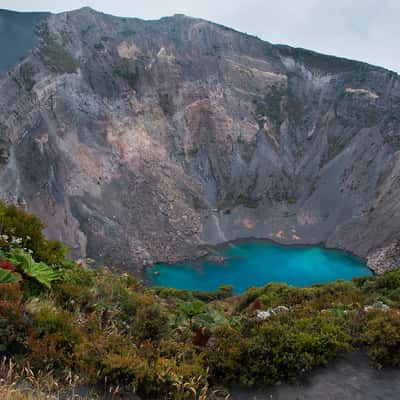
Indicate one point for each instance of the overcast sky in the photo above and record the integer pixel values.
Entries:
(366, 30)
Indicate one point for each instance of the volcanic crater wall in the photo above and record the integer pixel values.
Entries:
(138, 141)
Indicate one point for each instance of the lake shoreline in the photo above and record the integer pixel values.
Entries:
(205, 250)
(226, 253)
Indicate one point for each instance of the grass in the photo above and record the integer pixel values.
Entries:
(22, 383)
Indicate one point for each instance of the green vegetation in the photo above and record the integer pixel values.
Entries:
(99, 46)
(124, 71)
(277, 105)
(39, 271)
(335, 148)
(19, 228)
(294, 106)
(53, 54)
(110, 331)
(269, 106)
(58, 58)
(241, 199)
(222, 293)
(8, 277)
(25, 79)
(322, 62)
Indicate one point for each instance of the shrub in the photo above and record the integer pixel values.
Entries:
(382, 335)
(21, 229)
(384, 288)
(76, 275)
(281, 349)
(53, 338)
(125, 72)
(225, 356)
(316, 297)
(221, 293)
(54, 55)
(112, 357)
(27, 73)
(74, 297)
(13, 320)
(151, 373)
(151, 320)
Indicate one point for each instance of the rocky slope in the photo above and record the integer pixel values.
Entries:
(138, 141)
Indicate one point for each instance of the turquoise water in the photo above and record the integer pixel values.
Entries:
(256, 263)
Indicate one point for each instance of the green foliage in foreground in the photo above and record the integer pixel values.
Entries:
(164, 343)
(36, 270)
(8, 277)
(19, 228)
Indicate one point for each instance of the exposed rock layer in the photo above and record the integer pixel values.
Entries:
(385, 259)
(137, 141)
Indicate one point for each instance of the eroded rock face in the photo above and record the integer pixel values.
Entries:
(137, 141)
(385, 259)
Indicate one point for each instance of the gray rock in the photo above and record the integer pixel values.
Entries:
(264, 315)
(385, 259)
(129, 139)
(216, 259)
(377, 306)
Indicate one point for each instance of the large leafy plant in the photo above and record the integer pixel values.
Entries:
(190, 309)
(211, 318)
(7, 270)
(7, 276)
(36, 270)
(199, 314)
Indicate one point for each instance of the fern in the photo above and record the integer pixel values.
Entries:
(36, 270)
(8, 277)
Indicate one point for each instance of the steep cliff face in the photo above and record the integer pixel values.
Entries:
(137, 141)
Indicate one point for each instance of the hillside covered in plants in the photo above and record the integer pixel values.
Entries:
(64, 326)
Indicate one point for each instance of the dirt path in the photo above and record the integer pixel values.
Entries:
(350, 378)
